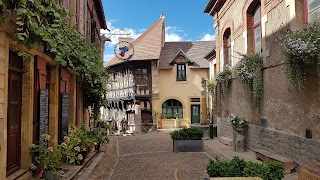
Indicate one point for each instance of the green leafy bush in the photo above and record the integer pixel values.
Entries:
(187, 134)
(239, 168)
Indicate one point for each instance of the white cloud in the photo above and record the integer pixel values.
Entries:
(107, 57)
(173, 37)
(208, 37)
(172, 34)
(115, 38)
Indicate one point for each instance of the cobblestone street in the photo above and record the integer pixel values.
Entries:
(149, 156)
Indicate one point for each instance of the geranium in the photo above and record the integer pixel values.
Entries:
(76, 142)
(33, 167)
(50, 157)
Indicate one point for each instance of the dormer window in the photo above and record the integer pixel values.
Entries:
(181, 59)
(181, 72)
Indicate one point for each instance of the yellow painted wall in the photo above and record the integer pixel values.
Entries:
(169, 88)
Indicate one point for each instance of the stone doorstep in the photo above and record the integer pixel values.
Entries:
(20, 174)
(266, 156)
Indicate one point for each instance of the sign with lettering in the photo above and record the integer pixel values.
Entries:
(43, 111)
(64, 115)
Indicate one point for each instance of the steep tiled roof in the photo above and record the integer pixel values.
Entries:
(195, 51)
(147, 46)
(100, 12)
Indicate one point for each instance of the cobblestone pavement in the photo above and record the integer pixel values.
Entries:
(150, 156)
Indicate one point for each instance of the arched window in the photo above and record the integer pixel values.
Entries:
(312, 8)
(254, 27)
(227, 46)
(171, 107)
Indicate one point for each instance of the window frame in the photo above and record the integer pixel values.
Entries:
(172, 107)
(227, 47)
(256, 25)
(184, 76)
(306, 11)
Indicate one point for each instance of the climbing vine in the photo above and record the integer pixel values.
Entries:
(301, 49)
(223, 78)
(212, 83)
(45, 22)
(249, 71)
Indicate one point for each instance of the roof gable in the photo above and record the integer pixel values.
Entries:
(147, 46)
(180, 57)
(195, 51)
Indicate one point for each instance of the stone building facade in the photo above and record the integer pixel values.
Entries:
(131, 87)
(162, 78)
(24, 82)
(286, 118)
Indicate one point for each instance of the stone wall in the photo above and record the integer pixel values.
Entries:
(303, 151)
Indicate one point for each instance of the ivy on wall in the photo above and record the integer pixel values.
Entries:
(223, 78)
(45, 22)
(249, 71)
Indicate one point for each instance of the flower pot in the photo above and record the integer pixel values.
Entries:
(84, 155)
(49, 175)
(97, 147)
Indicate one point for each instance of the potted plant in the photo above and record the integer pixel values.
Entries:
(187, 140)
(98, 136)
(175, 116)
(49, 157)
(238, 124)
(76, 144)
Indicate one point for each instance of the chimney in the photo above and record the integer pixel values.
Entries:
(162, 16)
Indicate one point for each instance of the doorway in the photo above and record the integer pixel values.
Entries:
(195, 114)
(14, 113)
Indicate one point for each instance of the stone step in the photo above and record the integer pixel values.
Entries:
(266, 156)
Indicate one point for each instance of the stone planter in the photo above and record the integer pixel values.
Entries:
(48, 175)
(188, 145)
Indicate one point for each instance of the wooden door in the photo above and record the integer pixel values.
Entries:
(14, 118)
(195, 114)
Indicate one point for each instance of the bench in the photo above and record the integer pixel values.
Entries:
(266, 156)
(306, 175)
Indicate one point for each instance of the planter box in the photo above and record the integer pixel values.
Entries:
(187, 145)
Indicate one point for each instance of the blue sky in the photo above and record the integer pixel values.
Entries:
(185, 20)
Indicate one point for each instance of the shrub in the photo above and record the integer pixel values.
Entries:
(187, 134)
(239, 168)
